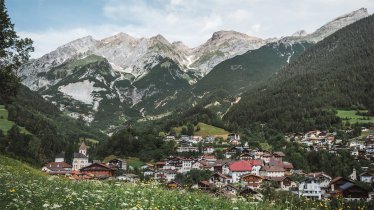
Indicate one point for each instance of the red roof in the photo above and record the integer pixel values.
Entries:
(241, 165)
(255, 162)
(206, 156)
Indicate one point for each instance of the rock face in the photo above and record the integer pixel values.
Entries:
(327, 29)
(222, 46)
(336, 24)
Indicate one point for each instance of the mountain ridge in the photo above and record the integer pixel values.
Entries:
(122, 62)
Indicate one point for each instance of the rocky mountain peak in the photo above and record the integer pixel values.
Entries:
(299, 33)
(220, 35)
(336, 24)
(159, 38)
(118, 38)
(180, 46)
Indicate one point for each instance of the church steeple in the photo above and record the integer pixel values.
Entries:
(83, 149)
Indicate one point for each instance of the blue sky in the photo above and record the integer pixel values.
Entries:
(51, 23)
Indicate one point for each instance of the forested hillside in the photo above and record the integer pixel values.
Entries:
(50, 131)
(337, 72)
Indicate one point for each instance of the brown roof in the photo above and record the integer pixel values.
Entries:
(251, 175)
(221, 175)
(57, 166)
(336, 179)
(97, 166)
(277, 179)
(280, 154)
(273, 168)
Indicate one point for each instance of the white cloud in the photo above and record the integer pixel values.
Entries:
(194, 21)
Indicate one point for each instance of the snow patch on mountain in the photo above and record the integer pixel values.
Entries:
(81, 91)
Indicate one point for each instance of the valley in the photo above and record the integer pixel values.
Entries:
(116, 120)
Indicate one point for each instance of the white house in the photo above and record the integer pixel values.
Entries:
(80, 159)
(60, 157)
(239, 168)
(272, 171)
(366, 177)
(165, 175)
(57, 168)
(187, 149)
(256, 166)
(208, 150)
(310, 188)
(186, 165)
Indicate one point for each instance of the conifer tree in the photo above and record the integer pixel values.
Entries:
(14, 51)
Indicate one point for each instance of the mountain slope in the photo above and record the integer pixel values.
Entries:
(48, 131)
(335, 73)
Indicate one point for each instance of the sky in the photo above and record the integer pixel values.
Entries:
(52, 23)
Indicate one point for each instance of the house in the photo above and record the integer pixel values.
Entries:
(57, 168)
(169, 138)
(218, 165)
(248, 192)
(98, 170)
(234, 139)
(148, 172)
(251, 180)
(173, 184)
(239, 168)
(366, 177)
(205, 185)
(220, 179)
(229, 190)
(195, 139)
(310, 188)
(165, 175)
(350, 192)
(337, 182)
(79, 161)
(160, 165)
(186, 165)
(246, 156)
(128, 178)
(60, 157)
(83, 149)
(209, 158)
(173, 163)
(278, 156)
(285, 183)
(323, 179)
(266, 157)
(187, 149)
(231, 152)
(117, 163)
(233, 136)
(209, 139)
(272, 171)
(208, 150)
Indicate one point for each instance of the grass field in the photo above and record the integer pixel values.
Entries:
(207, 130)
(134, 162)
(93, 141)
(352, 117)
(23, 187)
(5, 124)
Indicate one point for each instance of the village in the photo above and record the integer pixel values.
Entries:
(240, 171)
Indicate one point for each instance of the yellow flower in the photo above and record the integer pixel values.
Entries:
(12, 190)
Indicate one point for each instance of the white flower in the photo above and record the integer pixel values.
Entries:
(55, 206)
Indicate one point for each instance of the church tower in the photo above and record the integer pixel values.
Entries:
(83, 149)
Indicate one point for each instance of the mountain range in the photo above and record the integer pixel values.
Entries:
(107, 82)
